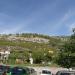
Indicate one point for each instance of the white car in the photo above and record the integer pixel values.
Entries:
(46, 72)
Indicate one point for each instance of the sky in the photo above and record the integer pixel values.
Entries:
(49, 17)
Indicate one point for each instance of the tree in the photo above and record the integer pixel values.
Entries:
(66, 57)
(38, 56)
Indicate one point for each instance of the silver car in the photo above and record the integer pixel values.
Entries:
(65, 73)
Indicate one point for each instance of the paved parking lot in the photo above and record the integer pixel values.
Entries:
(52, 69)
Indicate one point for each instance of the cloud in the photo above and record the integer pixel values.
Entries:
(16, 27)
(36, 21)
(63, 21)
(13, 29)
(72, 26)
(10, 24)
(50, 17)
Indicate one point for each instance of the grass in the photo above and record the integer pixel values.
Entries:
(34, 65)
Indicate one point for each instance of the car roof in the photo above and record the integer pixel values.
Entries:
(66, 71)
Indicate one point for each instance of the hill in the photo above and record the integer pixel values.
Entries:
(21, 45)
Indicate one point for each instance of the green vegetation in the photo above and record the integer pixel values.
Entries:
(66, 56)
(42, 53)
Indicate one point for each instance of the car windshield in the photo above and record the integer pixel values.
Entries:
(46, 72)
(18, 71)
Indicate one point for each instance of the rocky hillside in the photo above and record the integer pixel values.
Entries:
(21, 40)
(21, 45)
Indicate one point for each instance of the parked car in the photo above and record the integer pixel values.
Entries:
(32, 71)
(5, 68)
(65, 73)
(26, 68)
(8, 68)
(73, 68)
(2, 72)
(19, 71)
(46, 72)
(2, 67)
